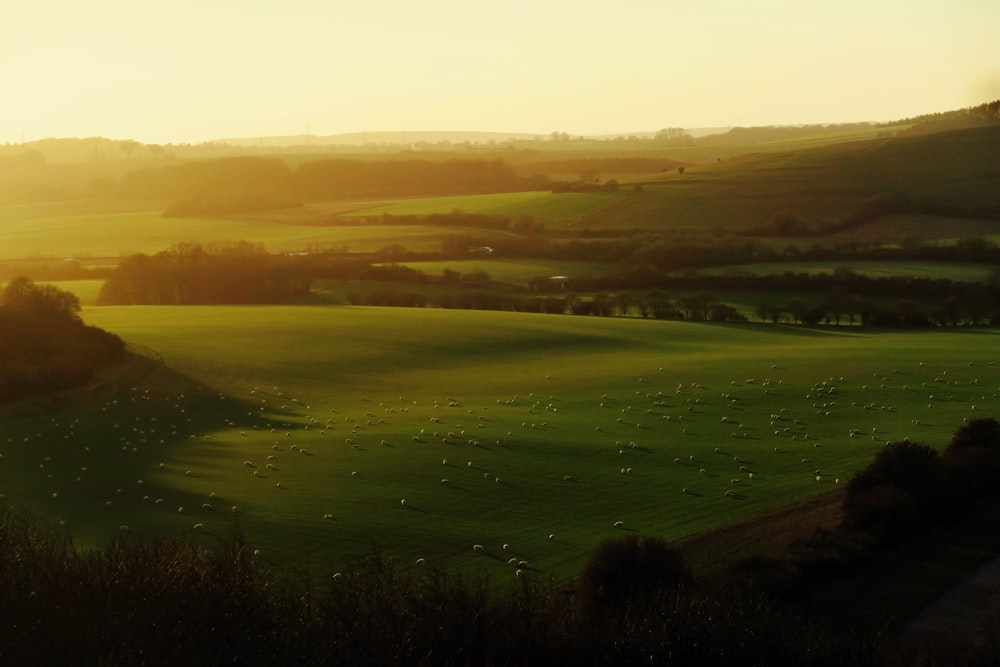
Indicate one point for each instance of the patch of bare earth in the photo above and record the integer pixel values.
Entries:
(769, 535)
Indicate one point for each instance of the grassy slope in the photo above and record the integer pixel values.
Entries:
(396, 364)
(821, 185)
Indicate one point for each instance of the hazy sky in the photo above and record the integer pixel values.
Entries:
(192, 70)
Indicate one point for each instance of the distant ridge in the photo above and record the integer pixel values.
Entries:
(412, 137)
(381, 137)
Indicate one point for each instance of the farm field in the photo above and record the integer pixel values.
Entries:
(553, 209)
(119, 234)
(585, 423)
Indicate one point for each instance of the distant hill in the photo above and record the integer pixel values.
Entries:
(380, 138)
(814, 191)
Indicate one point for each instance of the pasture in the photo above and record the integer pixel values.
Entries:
(553, 209)
(543, 433)
(114, 235)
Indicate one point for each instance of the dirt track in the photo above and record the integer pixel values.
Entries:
(966, 613)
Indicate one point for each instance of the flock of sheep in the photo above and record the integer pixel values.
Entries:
(213, 459)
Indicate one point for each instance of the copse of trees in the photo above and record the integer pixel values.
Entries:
(191, 273)
(909, 487)
(44, 346)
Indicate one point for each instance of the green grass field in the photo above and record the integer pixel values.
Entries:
(120, 234)
(552, 209)
(586, 422)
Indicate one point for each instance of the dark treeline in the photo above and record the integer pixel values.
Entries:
(678, 252)
(524, 224)
(244, 273)
(907, 491)
(190, 273)
(244, 181)
(44, 346)
(165, 601)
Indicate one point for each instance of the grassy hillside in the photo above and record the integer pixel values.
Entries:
(944, 174)
(574, 416)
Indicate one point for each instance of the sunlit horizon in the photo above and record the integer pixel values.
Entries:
(178, 72)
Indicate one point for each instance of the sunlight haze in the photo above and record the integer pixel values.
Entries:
(185, 71)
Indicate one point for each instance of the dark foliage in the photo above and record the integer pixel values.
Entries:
(167, 602)
(972, 458)
(901, 493)
(977, 434)
(630, 570)
(44, 346)
(190, 273)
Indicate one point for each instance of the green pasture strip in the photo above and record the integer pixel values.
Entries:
(574, 416)
(965, 272)
(114, 235)
(826, 138)
(72, 207)
(546, 207)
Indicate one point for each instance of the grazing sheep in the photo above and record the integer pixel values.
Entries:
(477, 547)
(619, 524)
(403, 502)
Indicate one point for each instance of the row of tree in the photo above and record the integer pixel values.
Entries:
(191, 273)
(653, 305)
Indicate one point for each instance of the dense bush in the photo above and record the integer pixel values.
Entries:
(900, 493)
(44, 346)
(630, 570)
(190, 273)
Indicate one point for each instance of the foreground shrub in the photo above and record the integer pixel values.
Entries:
(633, 570)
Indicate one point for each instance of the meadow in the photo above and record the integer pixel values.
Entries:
(543, 433)
(532, 436)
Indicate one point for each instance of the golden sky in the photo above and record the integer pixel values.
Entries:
(163, 71)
